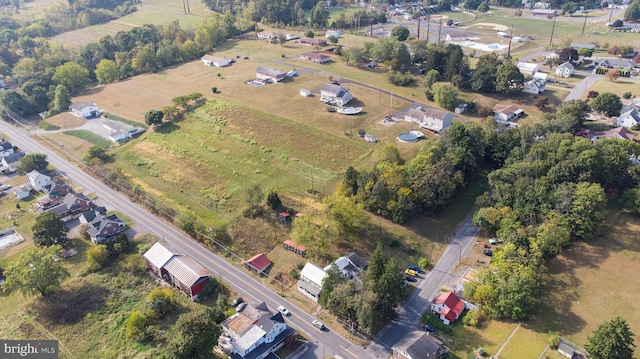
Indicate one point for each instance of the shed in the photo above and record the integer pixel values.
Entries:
(22, 192)
(295, 247)
(370, 138)
(258, 263)
(305, 93)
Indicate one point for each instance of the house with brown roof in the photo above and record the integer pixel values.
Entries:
(620, 133)
(312, 41)
(295, 247)
(315, 57)
(180, 271)
(449, 306)
(258, 263)
(506, 113)
(419, 345)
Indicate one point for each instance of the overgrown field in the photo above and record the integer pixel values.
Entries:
(206, 162)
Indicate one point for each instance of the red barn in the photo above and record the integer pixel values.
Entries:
(258, 263)
(181, 271)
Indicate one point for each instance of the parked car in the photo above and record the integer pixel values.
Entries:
(283, 310)
(430, 329)
(5, 187)
(318, 324)
(410, 272)
(415, 268)
(488, 252)
(410, 278)
(241, 307)
(237, 302)
(495, 240)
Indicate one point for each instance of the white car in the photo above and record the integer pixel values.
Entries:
(5, 186)
(495, 241)
(283, 310)
(318, 324)
(241, 307)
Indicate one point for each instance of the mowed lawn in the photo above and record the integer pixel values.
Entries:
(156, 12)
(618, 87)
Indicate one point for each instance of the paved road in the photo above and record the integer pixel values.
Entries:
(428, 288)
(582, 86)
(323, 343)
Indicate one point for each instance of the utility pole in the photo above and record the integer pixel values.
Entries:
(510, 40)
(611, 13)
(585, 21)
(553, 29)
(428, 27)
(439, 31)
(419, 18)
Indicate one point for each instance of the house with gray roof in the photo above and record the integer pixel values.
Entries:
(419, 345)
(334, 94)
(85, 109)
(617, 63)
(10, 163)
(6, 149)
(267, 73)
(72, 206)
(629, 118)
(430, 119)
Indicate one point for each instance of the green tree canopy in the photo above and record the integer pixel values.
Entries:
(444, 94)
(73, 76)
(107, 71)
(569, 8)
(33, 161)
(195, 333)
(153, 117)
(36, 271)
(612, 339)
(400, 33)
(97, 257)
(509, 79)
(608, 103)
(48, 228)
(61, 99)
(633, 11)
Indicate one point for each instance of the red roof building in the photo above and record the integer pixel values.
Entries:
(295, 247)
(258, 264)
(449, 306)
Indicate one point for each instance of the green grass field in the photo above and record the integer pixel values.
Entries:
(89, 137)
(129, 122)
(48, 126)
(618, 87)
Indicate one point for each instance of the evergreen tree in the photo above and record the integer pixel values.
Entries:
(613, 339)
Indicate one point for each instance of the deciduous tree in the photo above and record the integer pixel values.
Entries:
(107, 71)
(400, 33)
(195, 334)
(153, 117)
(36, 271)
(73, 76)
(608, 103)
(509, 79)
(48, 228)
(444, 94)
(33, 161)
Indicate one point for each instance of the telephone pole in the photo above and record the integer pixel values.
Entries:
(553, 29)
(585, 21)
(439, 30)
(510, 39)
(419, 18)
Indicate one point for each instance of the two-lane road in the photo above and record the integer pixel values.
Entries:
(322, 343)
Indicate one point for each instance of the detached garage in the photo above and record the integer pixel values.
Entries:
(209, 60)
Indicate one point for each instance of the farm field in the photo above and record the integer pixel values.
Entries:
(156, 12)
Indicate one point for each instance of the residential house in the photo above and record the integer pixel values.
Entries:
(72, 206)
(506, 113)
(315, 57)
(177, 269)
(430, 119)
(37, 180)
(267, 73)
(456, 37)
(85, 109)
(564, 70)
(310, 282)
(578, 46)
(335, 33)
(629, 118)
(419, 345)
(542, 76)
(10, 163)
(335, 95)
(6, 149)
(620, 133)
(120, 131)
(617, 63)
(448, 306)
(350, 265)
(250, 338)
(534, 86)
(209, 60)
(258, 263)
(102, 227)
(544, 12)
(528, 68)
(312, 41)
(56, 189)
(291, 37)
(268, 35)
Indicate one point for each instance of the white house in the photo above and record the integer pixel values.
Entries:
(350, 265)
(528, 68)
(85, 109)
(6, 149)
(449, 306)
(629, 118)
(254, 333)
(120, 131)
(335, 33)
(10, 163)
(310, 283)
(209, 60)
(430, 119)
(534, 86)
(543, 76)
(38, 180)
(315, 57)
(267, 73)
(564, 70)
(267, 35)
(505, 114)
(291, 37)
(335, 95)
